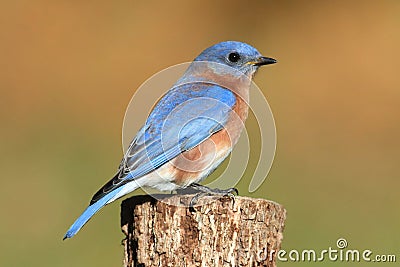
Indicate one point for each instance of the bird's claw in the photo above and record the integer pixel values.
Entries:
(206, 191)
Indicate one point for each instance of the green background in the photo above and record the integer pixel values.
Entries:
(69, 68)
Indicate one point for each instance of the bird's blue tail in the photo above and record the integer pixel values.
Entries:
(89, 212)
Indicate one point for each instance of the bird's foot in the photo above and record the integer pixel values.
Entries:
(186, 191)
(206, 191)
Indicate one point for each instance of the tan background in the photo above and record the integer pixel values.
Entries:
(69, 68)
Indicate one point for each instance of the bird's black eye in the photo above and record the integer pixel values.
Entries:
(234, 57)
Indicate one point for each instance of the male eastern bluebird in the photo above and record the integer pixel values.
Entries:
(191, 129)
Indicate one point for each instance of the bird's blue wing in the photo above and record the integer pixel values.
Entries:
(186, 116)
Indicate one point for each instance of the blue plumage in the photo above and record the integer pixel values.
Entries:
(184, 117)
(219, 52)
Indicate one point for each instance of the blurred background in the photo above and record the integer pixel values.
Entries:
(69, 68)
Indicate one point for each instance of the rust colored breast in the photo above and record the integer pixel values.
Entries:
(197, 163)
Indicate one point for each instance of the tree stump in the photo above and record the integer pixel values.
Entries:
(223, 232)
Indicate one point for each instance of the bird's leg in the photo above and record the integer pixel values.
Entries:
(186, 191)
(213, 191)
(206, 191)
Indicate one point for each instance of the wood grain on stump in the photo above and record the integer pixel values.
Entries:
(222, 232)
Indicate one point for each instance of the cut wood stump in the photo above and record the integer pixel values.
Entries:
(222, 232)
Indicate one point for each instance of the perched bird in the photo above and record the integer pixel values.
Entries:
(191, 129)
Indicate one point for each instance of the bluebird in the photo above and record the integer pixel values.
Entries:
(191, 129)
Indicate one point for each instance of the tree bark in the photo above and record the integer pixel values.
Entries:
(225, 232)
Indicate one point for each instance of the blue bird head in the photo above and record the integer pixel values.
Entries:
(237, 55)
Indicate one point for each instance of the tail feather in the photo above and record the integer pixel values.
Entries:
(89, 212)
(96, 206)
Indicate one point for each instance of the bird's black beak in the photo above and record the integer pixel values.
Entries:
(264, 61)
